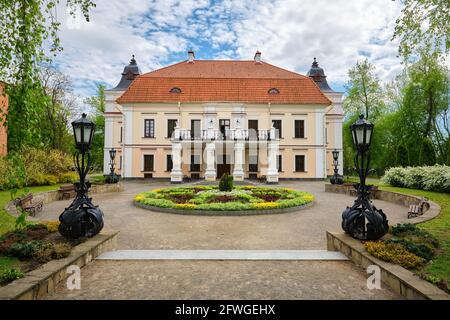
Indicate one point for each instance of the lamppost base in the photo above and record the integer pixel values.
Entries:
(81, 219)
(112, 178)
(363, 220)
(336, 179)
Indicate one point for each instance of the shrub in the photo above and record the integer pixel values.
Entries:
(68, 177)
(431, 178)
(420, 250)
(24, 250)
(226, 182)
(9, 275)
(61, 250)
(413, 233)
(394, 253)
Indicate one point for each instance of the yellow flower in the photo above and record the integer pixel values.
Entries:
(52, 226)
(265, 205)
(139, 198)
(187, 206)
(156, 190)
(308, 197)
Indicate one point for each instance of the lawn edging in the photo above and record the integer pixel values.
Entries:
(43, 280)
(399, 279)
(395, 197)
(223, 212)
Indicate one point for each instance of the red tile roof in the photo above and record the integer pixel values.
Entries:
(224, 81)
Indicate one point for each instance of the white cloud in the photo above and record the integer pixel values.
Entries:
(288, 32)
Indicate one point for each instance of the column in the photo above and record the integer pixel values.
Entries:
(176, 175)
(272, 153)
(238, 172)
(210, 173)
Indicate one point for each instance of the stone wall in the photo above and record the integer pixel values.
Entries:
(389, 196)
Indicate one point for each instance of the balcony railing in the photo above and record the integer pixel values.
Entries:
(228, 134)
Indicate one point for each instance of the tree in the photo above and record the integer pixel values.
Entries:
(25, 28)
(365, 95)
(58, 108)
(425, 97)
(97, 103)
(422, 24)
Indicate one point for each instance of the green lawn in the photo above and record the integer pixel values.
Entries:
(6, 220)
(439, 227)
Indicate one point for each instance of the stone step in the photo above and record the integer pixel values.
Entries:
(222, 255)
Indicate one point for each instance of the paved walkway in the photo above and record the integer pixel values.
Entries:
(301, 230)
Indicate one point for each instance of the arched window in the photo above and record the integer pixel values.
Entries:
(175, 90)
(273, 91)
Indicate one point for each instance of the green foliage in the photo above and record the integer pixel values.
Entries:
(211, 198)
(365, 95)
(423, 23)
(434, 178)
(9, 275)
(35, 167)
(24, 250)
(419, 249)
(29, 29)
(226, 182)
(97, 103)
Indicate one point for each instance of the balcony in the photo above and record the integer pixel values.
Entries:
(228, 134)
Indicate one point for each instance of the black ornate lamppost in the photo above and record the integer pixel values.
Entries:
(336, 178)
(112, 177)
(363, 221)
(82, 218)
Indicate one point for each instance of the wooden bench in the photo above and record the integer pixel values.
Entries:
(419, 209)
(67, 191)
(29, 204)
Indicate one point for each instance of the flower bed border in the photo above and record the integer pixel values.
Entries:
(195, 212)
(43, 280)
(399, 279)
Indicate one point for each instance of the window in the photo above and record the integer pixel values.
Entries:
(196, 131)
(169, 163)
(253, 129)
(175, 90)
(148, 162)
(195, 162)
(273, 91)
(277, 126)
(121, 135)
(120, 163)
(149, 128)
(299, 129)
(171, 123)
(224, 126)
(280, 163)
(300, 163)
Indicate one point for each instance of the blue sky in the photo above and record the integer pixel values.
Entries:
(289, 33)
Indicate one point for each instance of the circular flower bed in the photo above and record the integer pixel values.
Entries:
(210, 198)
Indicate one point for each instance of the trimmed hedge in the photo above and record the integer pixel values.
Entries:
(431, 178)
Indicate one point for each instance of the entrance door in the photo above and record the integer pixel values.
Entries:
(222, 169)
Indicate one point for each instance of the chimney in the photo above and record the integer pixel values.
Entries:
(258, 57)
(191, 56)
